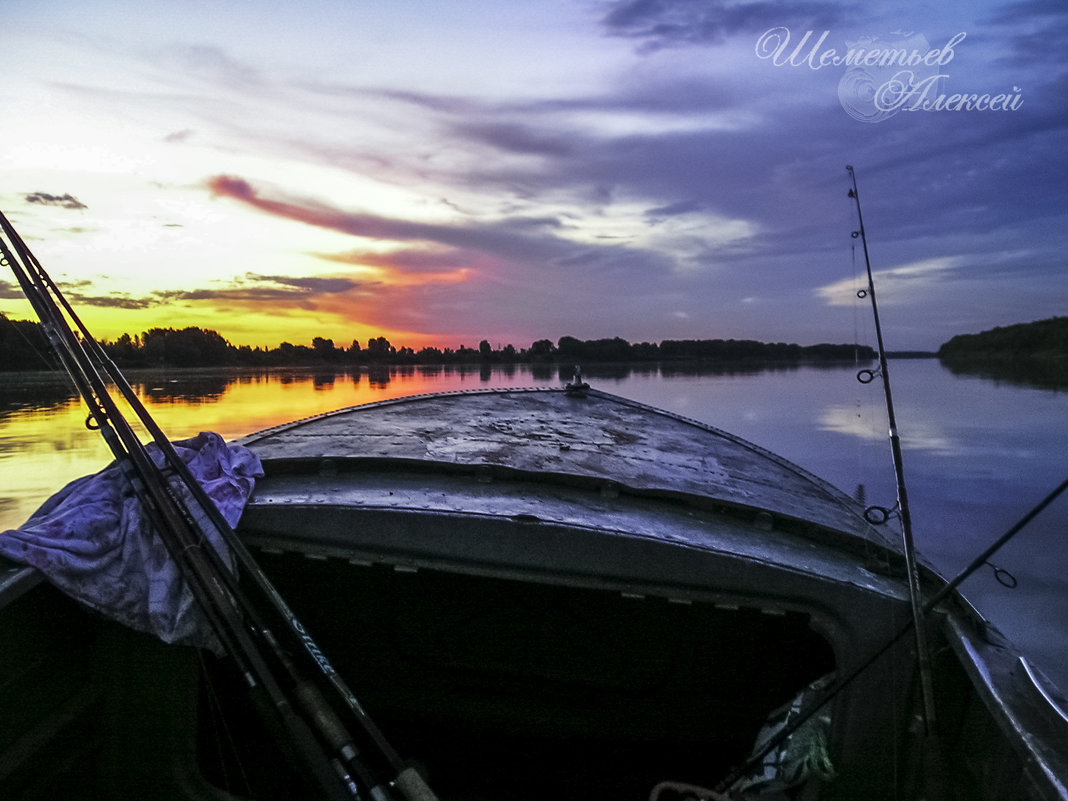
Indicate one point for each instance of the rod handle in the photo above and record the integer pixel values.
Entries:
(413, 787)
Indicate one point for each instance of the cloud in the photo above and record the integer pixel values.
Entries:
(620, 246)
(515, 138)
(183, 135)
(9, 291)
(660, 24)
(312, 285)
(79, 292)
(894, 284)
(211, 64)
(412, 265)
(657, 215)
(1035, 25)
(414, 260)
(518, 237)
(230, 186)
(321, 216)
(113, 301)
(635, 181)
(498, 271)
(66, 201)
(250, 289)
(253, 289)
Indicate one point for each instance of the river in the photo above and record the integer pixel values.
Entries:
(978, 453)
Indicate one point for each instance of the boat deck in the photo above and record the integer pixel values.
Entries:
(597, 438)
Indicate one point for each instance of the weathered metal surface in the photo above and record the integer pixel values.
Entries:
(600, 437)
(515, 525)
(1027, 710)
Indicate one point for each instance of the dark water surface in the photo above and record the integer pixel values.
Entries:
(978, 452)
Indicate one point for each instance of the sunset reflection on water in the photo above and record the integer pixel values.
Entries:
(250, 402)
(41, 449)
(234, 405)
(44, 442)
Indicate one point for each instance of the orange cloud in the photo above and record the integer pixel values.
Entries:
(409, 267)
(312, 213)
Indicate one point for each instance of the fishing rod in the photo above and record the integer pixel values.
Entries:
(833, 690)
(172, 523)
(923, 654)
(185, 524)
(840, 684)
(405, 777)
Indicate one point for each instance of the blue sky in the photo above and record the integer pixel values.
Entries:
(445, 172)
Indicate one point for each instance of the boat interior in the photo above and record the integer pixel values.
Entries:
(501, 688)
(497, 687)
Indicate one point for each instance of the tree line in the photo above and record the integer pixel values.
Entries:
(1030, 354)
(1041, 339)
(23, 346)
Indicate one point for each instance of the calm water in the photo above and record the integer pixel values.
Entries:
(978, 453)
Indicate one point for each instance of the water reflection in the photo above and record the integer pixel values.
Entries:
(42, 447)
(323, 381)
(1044, 374)
(852, 421)
(917, 435)
(187, 387)
(27, 391)
(542, 373)
(378, 377)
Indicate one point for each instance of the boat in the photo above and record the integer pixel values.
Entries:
(538, 594)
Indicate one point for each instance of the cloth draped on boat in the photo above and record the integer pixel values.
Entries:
(92, 540)
(801, 756)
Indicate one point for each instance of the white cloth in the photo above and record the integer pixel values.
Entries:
(92, 540)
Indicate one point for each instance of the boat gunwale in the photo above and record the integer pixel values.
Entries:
(16, 580)
(873, 555)
(1013, 700)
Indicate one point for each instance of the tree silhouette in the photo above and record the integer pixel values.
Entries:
(23, 346)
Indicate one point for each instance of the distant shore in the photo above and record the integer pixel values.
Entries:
(23, 346)
(1034, 352)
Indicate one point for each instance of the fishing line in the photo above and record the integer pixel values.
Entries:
(865, 430)
(867, 433)
(856, 365)
(923, 655)
(47, 360)
(836, 688)
(224, 736)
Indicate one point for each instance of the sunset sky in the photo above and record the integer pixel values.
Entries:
(445, 172)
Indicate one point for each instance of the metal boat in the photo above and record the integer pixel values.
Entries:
(542, 594)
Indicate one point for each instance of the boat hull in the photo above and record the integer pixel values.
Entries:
(540, 595)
